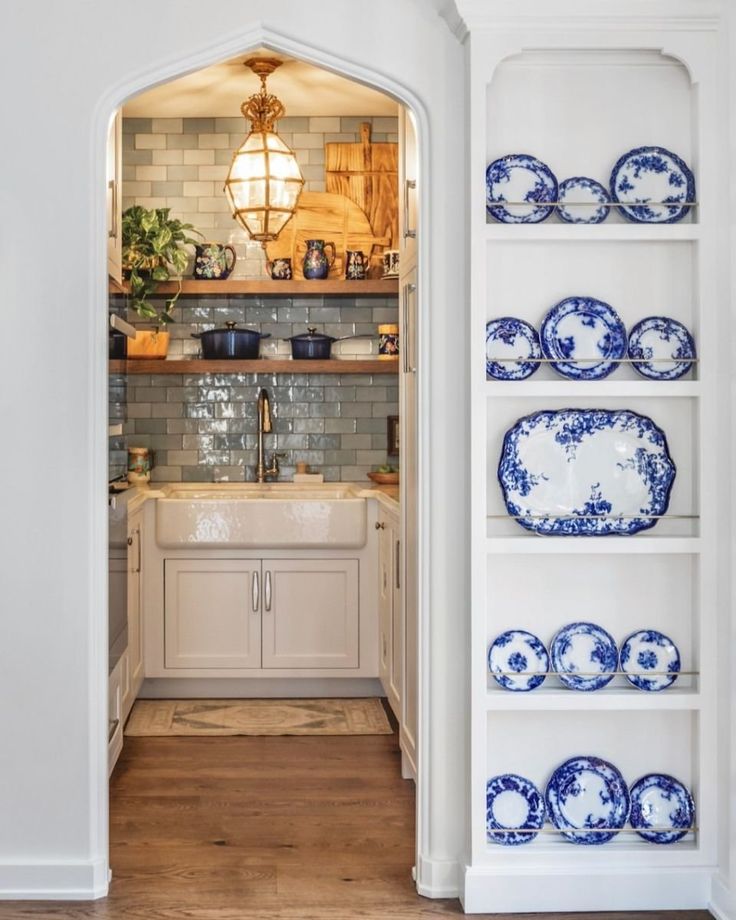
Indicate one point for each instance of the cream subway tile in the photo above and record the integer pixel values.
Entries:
(138, 157)
(313, 186)
(317, 156)
(166, 189)
(386, 124)
(215, 203)
(178, 204)
(313, 173)
(180, 173)
(167, 126)
(293, 123)
(180, 141)
(218, 173)
(392, 138)
(322, 124)
(150, 141)
(234, 141)
(150, 203)
(199, 189)
(230, 125)
(213, 141)
(222, 157)
(182, 457)
(226, 221)
(199, 157)
(166, 474)
(194, 217)
(134, 189)
(339, 138)
(128, 173)
(302, 157)
(137, 125)
(199, 125)
(306, 141)
(168, 157)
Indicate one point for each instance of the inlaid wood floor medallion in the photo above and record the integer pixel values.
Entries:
(160, 718)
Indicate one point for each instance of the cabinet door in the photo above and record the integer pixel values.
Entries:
(408, 188)
(135, 632)
(385, 601)
(114, 200)
(310, 613)
(396, 682)
(212, 613)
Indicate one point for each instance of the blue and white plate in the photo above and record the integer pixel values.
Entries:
(515, 179)
(587, 800)
(586, 472)
(661, 348)
(512, 349)
(653, 185)
(660, 801)
(518, 660)
(584, 656)
(584, 338)
(650, 660)
(582, 201)
(514, 810)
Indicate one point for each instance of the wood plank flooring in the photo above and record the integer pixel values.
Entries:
(285, 828)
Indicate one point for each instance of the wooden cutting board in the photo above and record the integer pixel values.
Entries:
(368, 174)
(330, 217)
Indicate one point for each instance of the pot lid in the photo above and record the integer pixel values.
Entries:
(231, 327)
(311, 335)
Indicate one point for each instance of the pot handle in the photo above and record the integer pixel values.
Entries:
(358, 335)
(331, 261)
(196, 335)
(265, 335)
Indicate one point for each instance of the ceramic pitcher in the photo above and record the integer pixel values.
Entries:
(211, 261)
(316, 263)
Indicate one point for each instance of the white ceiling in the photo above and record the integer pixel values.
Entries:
(218, 91)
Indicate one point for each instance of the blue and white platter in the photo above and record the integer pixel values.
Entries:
(512, 349)
(585, 472)
(653, 185)
(650, 660)
(661, 348)
(587, 800)
(584, 656)
(515, 179)
(662, 809)
(518, 660)
(581, 200)
(584, 338)
(514, 810)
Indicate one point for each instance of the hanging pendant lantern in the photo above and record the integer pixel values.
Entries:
(264, 182)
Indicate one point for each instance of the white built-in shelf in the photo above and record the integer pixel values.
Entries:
(597, 232)
(552, 849)
(530, 544)
(611, 389)
(557, 699)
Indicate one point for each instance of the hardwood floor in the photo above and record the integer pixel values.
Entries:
(268, 828)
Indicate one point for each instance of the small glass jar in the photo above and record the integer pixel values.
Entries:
(388, 341)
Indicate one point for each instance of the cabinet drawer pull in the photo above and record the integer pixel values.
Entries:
(267, 591)
(112, 727)
(112, 230)
(256, 592)
(398, 563)
(409, 184)
(380, 525)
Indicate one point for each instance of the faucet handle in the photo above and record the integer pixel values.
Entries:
(275, 457)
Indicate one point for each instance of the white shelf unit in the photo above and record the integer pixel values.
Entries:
(577, 98)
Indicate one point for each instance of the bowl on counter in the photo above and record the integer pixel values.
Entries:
(384, 479)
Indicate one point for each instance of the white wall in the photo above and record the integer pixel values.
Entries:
(68, 64)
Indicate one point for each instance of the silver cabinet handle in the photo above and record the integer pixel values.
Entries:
(112, 231)
(255, 592)
(398, 563)
(138, 539)
(409, 184)
(267, 591)
(407, 334)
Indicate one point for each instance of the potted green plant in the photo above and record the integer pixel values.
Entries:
(152, 253)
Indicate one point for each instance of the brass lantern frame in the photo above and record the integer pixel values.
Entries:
(263, 109)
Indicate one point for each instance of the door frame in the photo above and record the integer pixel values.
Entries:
(162, 72)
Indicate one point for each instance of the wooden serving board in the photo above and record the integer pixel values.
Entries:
(324, 216)
(368, 174)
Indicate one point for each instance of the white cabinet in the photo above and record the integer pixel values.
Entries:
(390, 617)
(296, 614)
(212, 613)
(408, 185)
(135, 630)
(115, 718)
(114, 199)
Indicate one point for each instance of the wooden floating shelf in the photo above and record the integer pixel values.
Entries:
(337, 287)
(257, 366)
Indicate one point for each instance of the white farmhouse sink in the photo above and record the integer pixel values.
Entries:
(277, 516)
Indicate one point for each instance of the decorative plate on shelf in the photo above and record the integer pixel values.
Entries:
(586, 472)
(514, 810)
(584, 338)
(515, 179)
(661, 348)
(512, 349)
(518, 660)
(653, 185)
(660, 801)
(587, 800)
(650, 659)
(584, 656)
(582, 201)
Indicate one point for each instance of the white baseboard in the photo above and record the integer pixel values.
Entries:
(438, 878)
(190, 688)
(85, 880)
(489, 890)
(722, 902)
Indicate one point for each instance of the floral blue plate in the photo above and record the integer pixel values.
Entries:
(650, 659)
(581, 200)
(510, 344)
(662, 809)
(518, 660)
(587, 800)
(584, 656)
(653, 186)
(514, 810)
(585, 472)
(584, 338)
(515, 179)
(660, 348)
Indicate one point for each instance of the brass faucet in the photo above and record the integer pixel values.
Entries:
(265, 426)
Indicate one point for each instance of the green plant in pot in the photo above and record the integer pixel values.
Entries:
(152, 253)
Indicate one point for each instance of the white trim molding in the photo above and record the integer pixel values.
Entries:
(438, 878)
(85, 880)
(722, 902)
